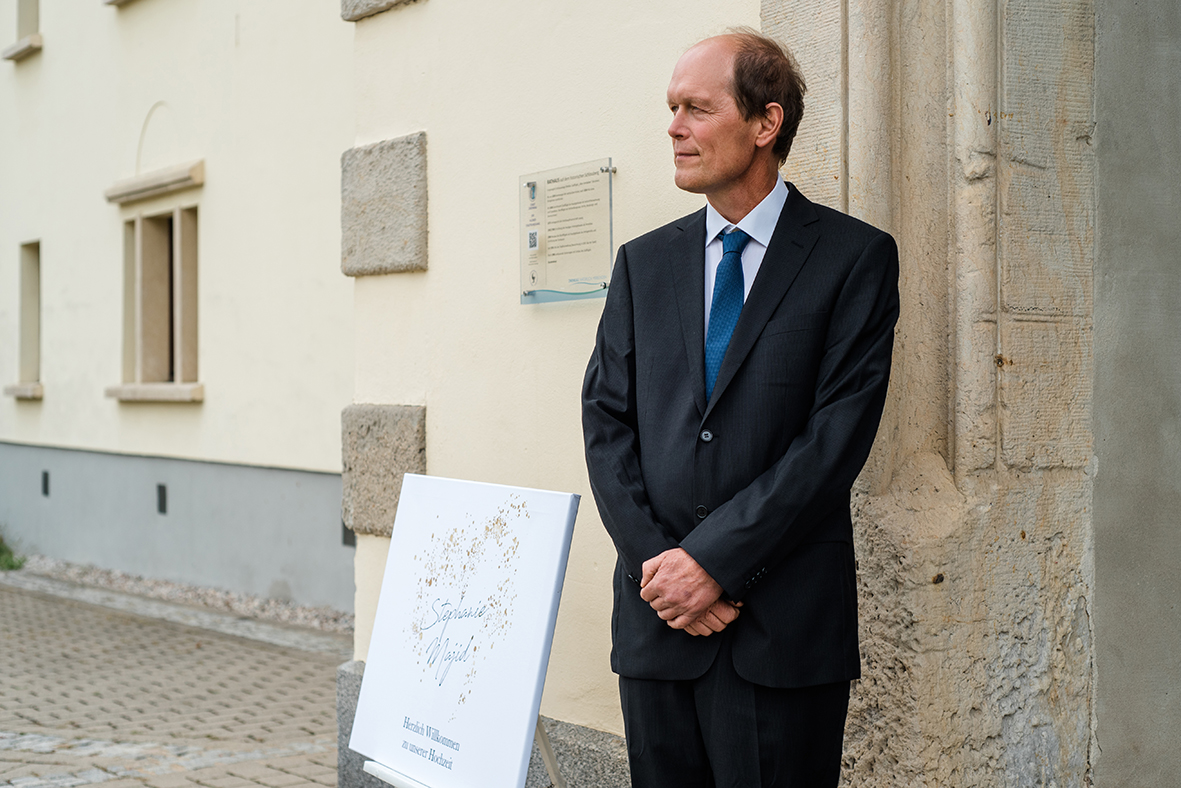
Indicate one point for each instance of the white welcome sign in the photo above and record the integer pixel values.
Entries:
(461, 640)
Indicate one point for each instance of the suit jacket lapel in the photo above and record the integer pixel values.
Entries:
(686, 261)
(795, 236)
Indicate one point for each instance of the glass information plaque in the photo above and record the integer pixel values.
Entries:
(566, 233)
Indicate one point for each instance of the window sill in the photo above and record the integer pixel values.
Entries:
(23, 48)
(33, 391)
(157, 392)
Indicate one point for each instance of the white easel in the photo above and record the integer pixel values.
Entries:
(547, 756)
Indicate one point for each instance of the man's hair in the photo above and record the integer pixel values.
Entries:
(766, 72)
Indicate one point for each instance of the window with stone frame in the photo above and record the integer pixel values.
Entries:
(160, 307)
(28, 385)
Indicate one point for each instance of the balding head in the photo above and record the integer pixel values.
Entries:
(762, 72)
(719, 150)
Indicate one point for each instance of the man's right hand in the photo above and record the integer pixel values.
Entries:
(678, 588)
(720, 615)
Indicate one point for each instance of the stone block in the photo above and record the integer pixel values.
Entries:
(383, 202)
(352, 10)
(379, 443)
(1047, 184)
(813, 30)
(1045, 394)
(350, 766)
(587, 758)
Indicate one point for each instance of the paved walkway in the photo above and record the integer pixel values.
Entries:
(113, 690)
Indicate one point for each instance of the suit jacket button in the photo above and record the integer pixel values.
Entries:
(707, 436)
(702, 512)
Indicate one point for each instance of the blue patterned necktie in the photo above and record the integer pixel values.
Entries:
(725, 307)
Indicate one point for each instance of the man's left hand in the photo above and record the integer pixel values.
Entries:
(677, 588)
(720, 615)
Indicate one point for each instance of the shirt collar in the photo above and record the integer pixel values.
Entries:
(759, 224)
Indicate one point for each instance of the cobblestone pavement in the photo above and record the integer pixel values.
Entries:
(93, 694)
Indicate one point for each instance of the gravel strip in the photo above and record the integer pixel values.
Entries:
(324, 619)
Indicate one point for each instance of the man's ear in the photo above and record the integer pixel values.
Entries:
(769, 125)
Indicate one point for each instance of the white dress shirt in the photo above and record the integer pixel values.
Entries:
(759, 224)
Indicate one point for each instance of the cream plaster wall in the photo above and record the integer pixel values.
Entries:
(262, 92)
(502, 90)
(368, 571)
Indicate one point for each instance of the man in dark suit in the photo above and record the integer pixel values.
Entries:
(734, 392)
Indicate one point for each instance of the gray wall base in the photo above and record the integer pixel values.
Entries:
(588, 758)
(271, 532)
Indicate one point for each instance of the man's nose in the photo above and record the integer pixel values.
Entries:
(676, 129)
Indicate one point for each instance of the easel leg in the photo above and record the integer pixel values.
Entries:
(547, 756)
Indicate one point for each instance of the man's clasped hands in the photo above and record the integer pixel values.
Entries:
(684, 595)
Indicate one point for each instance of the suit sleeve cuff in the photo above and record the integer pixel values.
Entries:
(734, 586)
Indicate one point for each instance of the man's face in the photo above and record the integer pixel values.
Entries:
(713, 147)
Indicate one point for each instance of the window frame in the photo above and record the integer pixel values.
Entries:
(28, 31)
(161, 297)
(29, 385)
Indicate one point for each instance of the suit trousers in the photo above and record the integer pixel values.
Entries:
(722, 731)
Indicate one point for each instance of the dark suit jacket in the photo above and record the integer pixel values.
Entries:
(755, 483)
